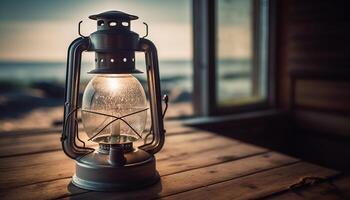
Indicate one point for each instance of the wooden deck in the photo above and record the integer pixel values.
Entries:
(194, 164)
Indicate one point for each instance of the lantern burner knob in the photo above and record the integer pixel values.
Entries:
(105, 143)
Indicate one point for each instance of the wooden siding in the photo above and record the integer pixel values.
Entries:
(314, 66)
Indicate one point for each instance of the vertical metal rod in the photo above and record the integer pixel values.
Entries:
(155, 96)
(71, 98)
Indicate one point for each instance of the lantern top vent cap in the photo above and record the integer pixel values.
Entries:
(116, 15)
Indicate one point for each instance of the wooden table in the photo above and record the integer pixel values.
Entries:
(194, 164)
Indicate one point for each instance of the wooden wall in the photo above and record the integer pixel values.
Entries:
(314, 77)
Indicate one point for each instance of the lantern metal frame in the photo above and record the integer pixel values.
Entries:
(120, 169)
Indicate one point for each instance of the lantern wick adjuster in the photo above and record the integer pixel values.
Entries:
(166, 101)
(79, 33)
(146, 30)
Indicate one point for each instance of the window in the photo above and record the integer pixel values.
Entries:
(237, 48)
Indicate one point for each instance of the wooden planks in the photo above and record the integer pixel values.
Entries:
(28, 144)
(257, 185)
(44, 166)
(334, 124)
(54, 167)
(190, 162)
(176, 156)
(201, 177)
(338, 189)
(313, 76)
(170, 184)
(21, 143)
(323, 95)
(317, 37)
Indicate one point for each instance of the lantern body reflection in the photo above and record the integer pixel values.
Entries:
(114, 108)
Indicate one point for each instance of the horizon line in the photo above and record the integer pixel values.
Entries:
(137, 61)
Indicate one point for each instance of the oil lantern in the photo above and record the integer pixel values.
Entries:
(114, 108)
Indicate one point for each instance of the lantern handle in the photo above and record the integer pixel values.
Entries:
(146, 29)
(152, 67)
(79, 32)
(70, 128)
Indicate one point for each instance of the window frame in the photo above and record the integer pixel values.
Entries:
(205, 54)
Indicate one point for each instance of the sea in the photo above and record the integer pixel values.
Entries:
(176, 76)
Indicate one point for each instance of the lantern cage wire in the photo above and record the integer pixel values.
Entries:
(75, 110)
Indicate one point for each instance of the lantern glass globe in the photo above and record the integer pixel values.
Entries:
(114, 109)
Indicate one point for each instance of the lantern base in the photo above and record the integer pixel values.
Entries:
(94, 172)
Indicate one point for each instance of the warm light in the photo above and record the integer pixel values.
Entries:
(113, 81)
(109, 97)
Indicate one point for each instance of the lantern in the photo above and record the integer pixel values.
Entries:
(114, 108)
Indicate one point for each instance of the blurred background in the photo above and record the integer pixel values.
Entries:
(34, 39)
(35, 36)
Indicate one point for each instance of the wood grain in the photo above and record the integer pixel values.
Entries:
(338, 189)
(323, 95)
(315, 121)
(313, 76)
(176, 156)
(170, 184)
(189, 162)
(258, 185)
(22, 142)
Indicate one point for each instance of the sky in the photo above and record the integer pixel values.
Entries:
(41, 30)
(234, 36)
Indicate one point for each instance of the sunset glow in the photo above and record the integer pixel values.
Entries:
(43, 30)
